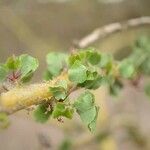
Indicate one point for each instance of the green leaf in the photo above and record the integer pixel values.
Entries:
(77, 72)
(93, 57)
(56, 62)
(94, 80)
(62, 83)
(145, 66)
(24, 63)
(85, 107)
(28, 66)
(88, 116)
(47, 75)
(143, 42)
(93, 84)
(13, 63)
(126, 69)
(27, 78)
(4, 121)
(109, 68)
(115, 88)
(60, 110)
(92, 75)
(3, 72)
(84, 102)
(92, 125)
(73, 58)
(105, 60)
(41, 114)
(58, 92)
(147, 89)
(69, 113)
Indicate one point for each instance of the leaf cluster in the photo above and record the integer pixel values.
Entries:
(86, 69)
(19, 68)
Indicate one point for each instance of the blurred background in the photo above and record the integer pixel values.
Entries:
(37, 27)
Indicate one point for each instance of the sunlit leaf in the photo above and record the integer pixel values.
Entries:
(147, 90)
(56, 62)
(77, 72)
(126, 69)
(58, 92)
(4, 121)
(60, 110)
(93, 57)
(3, 72)
(41, 113)
(85, 107)
(13, 63)
(28, 65)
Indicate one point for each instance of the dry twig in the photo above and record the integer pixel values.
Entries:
(109, 29)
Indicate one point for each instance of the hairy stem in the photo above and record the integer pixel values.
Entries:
(22, 97)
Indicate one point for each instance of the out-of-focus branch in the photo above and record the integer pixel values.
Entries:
(109, 29)
(25, 96)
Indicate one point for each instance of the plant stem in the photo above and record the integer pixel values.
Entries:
(22, 97)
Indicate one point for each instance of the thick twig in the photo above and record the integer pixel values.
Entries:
(107, 30)
(25, 96)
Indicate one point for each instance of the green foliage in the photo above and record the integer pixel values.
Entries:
(56, 63)
(85, 107)
(62, 83)
(59, 91)
(87, 69)
(115, 88)
(89, 55)
(140, 57)
(84, 102)
(28, 65)
(93, 57)
(105, 60)
(3, 72)
(24, 64)
(126, 69)
(93, 82)
(13, 63)
(4, 121)
(83, 69)
(147, 90)
(47, 75)
(60, 110)
(42, 114)
(77, 72)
